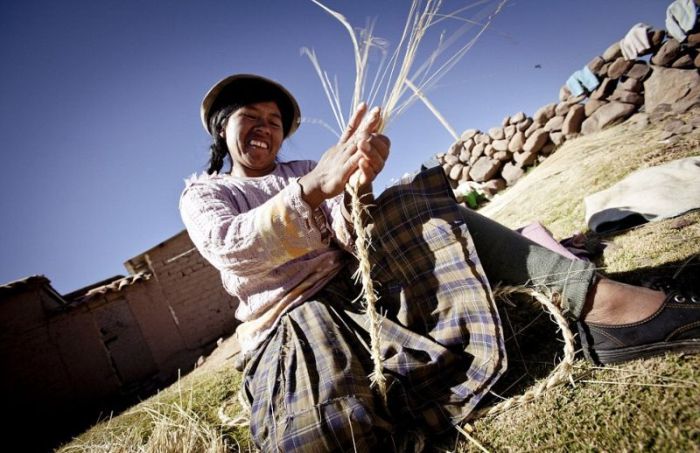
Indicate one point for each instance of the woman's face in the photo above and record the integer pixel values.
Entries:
(253, 135)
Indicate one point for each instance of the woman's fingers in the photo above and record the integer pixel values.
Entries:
(354, 122)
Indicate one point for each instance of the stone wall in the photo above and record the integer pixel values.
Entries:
(662, 78)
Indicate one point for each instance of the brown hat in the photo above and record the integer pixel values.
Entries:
(248, 88)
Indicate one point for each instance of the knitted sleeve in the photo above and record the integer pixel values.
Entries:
(258, 240)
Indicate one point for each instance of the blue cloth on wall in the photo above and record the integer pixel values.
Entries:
(581, 81)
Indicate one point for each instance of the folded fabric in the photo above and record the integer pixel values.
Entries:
(538, 233)
(635, 42)
(680, 18)
(649, 194)
(581, 81)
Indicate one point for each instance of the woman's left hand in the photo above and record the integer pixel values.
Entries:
(374, 150)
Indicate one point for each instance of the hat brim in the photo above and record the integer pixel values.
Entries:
(237, 88)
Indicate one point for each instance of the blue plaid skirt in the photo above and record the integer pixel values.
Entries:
(441, 338)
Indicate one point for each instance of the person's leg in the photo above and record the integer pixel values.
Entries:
(512, 259)
(308, 386)
(617, 322)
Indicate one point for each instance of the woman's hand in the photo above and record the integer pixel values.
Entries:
(358, 157)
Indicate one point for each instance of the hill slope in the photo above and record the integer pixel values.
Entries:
(651, 404)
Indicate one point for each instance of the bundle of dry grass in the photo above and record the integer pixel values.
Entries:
(401, 84)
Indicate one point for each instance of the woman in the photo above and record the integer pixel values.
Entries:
(279, 232)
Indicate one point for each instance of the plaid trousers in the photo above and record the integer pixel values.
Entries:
(441, 338)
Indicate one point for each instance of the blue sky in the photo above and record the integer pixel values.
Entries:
(100, 103)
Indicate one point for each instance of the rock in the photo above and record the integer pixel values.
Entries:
(469, 145)
(577, 99)
(639, 71)
(488, 150)
(497, 133)
(562, 109)
(573, 120)
(639, 121)
(469, 133)
(477, 152)
(656, 38)
(500, 145)
(483, 138)
(607, 115)
(557, 137)
(668, 53)
(554, 124)
(593, 105)
(531, 130)
(670, 86)
(619, 67)
(546, 150)
(511, 173)
(631, 84)
(510, 131)
(516, 143)
(464, 156)
(689, 101)
(536, 141)
(465, 174)
(544, 113)
(440, 157)
(492, 186)
(595, 64)
(612, 52)
(446, 168)
(517, 118)
(484, 168)
(696, 61)
(456, 148)
(605, 89)
(693, 40)
(564, 93)
(503, 156)
(683, 62)
(674, 125)
(628, 97)
(456, 171)
(451, 159)
(524, 124)
(524, 159)
(505, 121)
(603, 71)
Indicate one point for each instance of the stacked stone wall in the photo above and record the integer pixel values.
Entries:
(662, 78)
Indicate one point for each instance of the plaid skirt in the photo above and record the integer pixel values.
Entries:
(441, 337)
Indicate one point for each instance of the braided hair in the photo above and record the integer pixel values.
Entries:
(218, 151)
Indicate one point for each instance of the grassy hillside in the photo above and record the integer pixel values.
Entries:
(644, 405)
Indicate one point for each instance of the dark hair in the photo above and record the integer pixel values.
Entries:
(218, 151)
(229, 103)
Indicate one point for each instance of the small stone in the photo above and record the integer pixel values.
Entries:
(517, 118)
(524, 124)
(536, 141)
(546, 150)
(484, 169)
(511, 173)
(516, 143)
(497, 133)
(631, 84)
(668, 53)
(595, 64)
(557, 137)
(492, 186)
(469, 133)
(510, 131)
(612, 52)
(573, 120)
(605, 89)
(505, 121)
(562, 109)
(619, 67)
(693, 40)
(524, 159)
(554, 124)
(500, 145)
(656, 38)
(683, 62)
(456, 171)
(531, 130)
(593, 105)
(545, 113)
(639, 71)
(503, 156)
(451, 159)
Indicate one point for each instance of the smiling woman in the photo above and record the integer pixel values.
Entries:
(279, 233)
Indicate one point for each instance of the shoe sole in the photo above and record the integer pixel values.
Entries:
(643, 351)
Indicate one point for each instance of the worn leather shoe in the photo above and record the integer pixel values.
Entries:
(675, 327)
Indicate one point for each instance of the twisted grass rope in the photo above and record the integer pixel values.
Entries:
(362, 242)
(561, 374)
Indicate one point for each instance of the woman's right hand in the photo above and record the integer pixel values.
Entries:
(359, 147)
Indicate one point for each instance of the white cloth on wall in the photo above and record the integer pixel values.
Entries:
(649, 194)
(680, 18)
(635, 42)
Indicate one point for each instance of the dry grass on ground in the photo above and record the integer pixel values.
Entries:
(644, 405)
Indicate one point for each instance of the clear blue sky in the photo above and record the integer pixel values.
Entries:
(100, 98)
